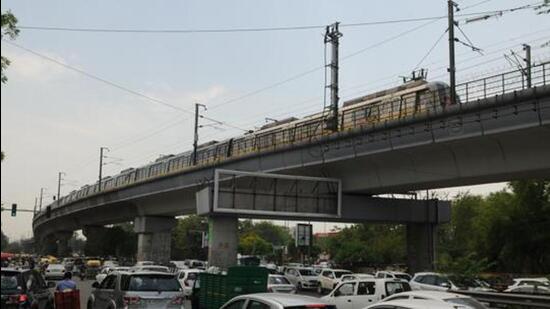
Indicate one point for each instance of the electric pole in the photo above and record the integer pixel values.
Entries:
(59, 184)
(452, 68)
(332, 36)
(196, 138)
(101, 156)
(41, 195)
(527, 49)
(35, 204)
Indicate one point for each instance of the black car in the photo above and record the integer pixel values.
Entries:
(25, 288)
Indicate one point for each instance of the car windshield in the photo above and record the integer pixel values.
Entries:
(306, 272)
(150, 283)
(470, 302)
(9, 280)
(278, 280)
(397, 287)
(403, 276)
(339, 274)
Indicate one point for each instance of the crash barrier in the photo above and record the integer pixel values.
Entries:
(67, 300)
(509, 299)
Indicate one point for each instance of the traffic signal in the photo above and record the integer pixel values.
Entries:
(13, 210)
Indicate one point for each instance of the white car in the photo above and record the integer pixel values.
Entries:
(275, 301)
(412, 304)
(54, 271)
(187, 278)
(302, 277)
(279, 284)
(152, 268)
(444, 297)
(393, 275)
(107, 270)
(529, 289)
(530, 281)
(145, 263)
(432, 282)
(363, 292)
(329, 278)
(110, 263)
(350, 277)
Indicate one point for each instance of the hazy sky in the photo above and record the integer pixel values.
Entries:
(54, 119)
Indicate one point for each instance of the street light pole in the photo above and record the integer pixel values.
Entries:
(527, 49)
(41, 195)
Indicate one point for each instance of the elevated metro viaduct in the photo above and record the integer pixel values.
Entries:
(501, 138)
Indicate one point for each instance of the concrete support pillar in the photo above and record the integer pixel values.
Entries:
(154, 238)
(223, 241)
(62, 240)
(47, 245)
(420, 246)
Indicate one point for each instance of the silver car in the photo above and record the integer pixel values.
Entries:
(276, 301)
(137, 290)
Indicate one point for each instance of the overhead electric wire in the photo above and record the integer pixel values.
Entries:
(265, 29)
(430, 50)
(113, 84)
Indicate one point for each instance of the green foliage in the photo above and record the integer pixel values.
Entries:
(187, 238)
(120, 240)
(5, 241)
(505, 231)
(254, 244)
(9, 28)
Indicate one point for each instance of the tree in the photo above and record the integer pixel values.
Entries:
(9, 28)
(187, 238)
(5, 241)
(254, 244)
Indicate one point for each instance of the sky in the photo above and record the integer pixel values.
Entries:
(135, 92)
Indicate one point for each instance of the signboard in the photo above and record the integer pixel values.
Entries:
(304, 234)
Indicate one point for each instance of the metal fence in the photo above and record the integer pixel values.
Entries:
(503, 83)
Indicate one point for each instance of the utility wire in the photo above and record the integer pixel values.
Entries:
(113, 84)
(430, 50)
(265, 29)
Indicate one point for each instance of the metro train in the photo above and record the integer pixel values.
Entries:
(410, 99)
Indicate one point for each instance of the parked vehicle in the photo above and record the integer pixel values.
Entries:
(529, 289)
(275, 301)
(302, 277)
(530, 281)
(329, 278)
(412, 304)
(363, 292)
(393, 275)
(137, 290)
(280, 284)
(144, 263)
(471, 284)
(54, 272)
(24, 288)
(444, 297)
(187, 278)
(432, 282)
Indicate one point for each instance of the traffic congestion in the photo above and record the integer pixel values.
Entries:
(35, 282)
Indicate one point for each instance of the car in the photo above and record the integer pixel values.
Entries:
(302, 277)
(177, 265)
(155, 268)
(444, 297)
(363, 292)
(471, 284)
(107, 270)
(329, 279)
(393, 274)
(54, 272)
(110, 263)
(187, 278)
(198, 264)
(275, 301)
(68, 262)
(25, 288)
(432, 282)
(529, 289)
(530, 281)
(412, 304)
(349, 277)
(280, 284)
(137, 290)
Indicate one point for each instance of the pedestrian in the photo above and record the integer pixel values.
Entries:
(67, 284)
